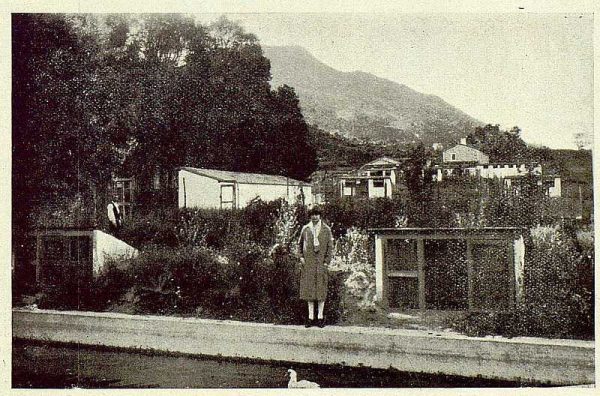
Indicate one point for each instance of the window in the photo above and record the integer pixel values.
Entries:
(453, 157)
(376, 173)
(156, 180)
(378, 183)
(123, 188)
(80, 248)
(53, 248)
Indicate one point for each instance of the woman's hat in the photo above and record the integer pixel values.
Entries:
(315, 211)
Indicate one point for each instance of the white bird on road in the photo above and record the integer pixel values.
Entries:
(304, 384)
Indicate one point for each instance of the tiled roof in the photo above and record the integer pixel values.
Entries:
(244, 178)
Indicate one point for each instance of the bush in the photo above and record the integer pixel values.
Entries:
(243, 282)
(211, 227)
(346, 213)
(155, 228)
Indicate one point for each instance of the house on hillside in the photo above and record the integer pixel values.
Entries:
(464, 154)
(211, 188)
(378, 178)
(463, 160)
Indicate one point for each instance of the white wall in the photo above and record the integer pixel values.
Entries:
(200, 191)
(377, 192)
(519, 261)
(106, 246)
(506, 170)
(555, 191)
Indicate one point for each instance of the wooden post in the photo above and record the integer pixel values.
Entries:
(184, 193)
(470, 273)
(421, 272)
(511, 274)
(380, 270)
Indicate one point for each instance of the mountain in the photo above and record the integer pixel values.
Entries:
(362, 105)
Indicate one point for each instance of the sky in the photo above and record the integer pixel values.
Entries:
(529, 70)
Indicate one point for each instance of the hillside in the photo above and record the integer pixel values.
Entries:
(362, 105)
(339, 152)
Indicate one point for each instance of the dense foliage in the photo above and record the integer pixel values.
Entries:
(93, 95)
(501, 146)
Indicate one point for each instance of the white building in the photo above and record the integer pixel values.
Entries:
(463, 160)
(372, 180)
(210, 188)
(461, 153)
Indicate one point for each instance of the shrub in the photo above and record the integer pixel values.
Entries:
(242, 282)
(110, 285)
(259, 219)
(211, 227)
(346, 213)
(155, 228)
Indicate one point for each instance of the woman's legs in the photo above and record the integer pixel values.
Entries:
(321, 305)
(311, 310)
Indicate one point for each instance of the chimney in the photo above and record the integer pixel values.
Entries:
(463, 141)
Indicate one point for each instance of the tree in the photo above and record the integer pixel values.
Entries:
(63, 138)
(419, 181)
(501, 146)
(95, 95)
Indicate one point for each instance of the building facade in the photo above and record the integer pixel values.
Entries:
(462, 153)
(217, 189)
(465, 161)
(376, 179)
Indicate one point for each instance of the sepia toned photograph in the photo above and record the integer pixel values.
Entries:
(302, 200)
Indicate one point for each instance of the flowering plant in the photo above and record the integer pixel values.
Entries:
(352, 256)
(286, 226)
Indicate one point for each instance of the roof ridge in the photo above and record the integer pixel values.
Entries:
(228, 175)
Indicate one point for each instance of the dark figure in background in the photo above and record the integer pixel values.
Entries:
(115, 217)
(316, 249)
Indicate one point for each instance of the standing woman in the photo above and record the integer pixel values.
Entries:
(316, 250)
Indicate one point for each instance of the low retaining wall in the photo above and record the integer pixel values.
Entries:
(560, 362)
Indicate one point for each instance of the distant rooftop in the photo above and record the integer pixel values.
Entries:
(244, 178)
(382, 161)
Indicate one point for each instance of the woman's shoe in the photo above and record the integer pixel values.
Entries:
(309, 323)
(321, 323)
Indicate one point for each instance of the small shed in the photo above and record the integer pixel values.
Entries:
(449, 268)
(63, 255)
(218, 189)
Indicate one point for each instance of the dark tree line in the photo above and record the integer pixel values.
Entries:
(95, 95)
(506, 146)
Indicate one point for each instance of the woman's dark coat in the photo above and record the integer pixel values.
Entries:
(313, 277)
